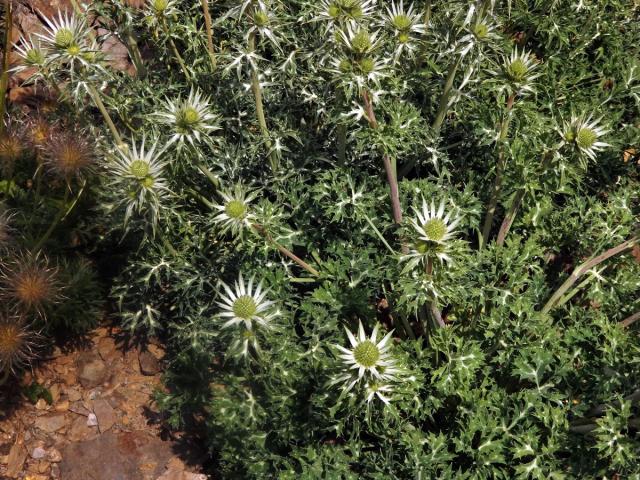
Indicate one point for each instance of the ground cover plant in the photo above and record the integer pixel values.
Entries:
(383, 239)
(48, 286)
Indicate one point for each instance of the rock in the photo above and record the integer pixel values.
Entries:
(149, 364)
(92, 420)
(63, 406)
(55, 471)
(41, 404)
(91, 370)
(51, 423)
(156, 351)
(36, 477)
(79, 430)
(43, 466)
(54, 455)
(107, 348)
(105, 413)
(17, 456)
(73, 395)
(55, 392)
(38, 453)
(130, 456)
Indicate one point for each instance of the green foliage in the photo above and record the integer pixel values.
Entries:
(382, 240)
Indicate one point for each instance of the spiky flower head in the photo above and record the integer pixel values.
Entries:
(38, 131)
(234, 213)
(520, 70)
(17, 343)
(29, 283)
(435, 229)
(64, 34)
(69, 156)
(32, 53)
(367, 358)
(345, 11)
(404, 23)
(583, 132)
(138, 171)
(190, 118)
(245, 305)
(162, 7)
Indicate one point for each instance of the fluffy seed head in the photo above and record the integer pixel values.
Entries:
(38, 131)
(16, 343)
(29, 283)
(69, 155)
(10, 147)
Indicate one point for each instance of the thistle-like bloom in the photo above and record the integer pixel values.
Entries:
(246, 306)
(30, 284)
(234, 214)
(140, 172)
(342, 12)
(435, 230)
(584, 132)
(404, 24)
(33, 55)
(520, 70)
(17, 343)
(161, 8)
(67, 33)
(368, 356)
(69, 156)
(359, 41)
(190, 118)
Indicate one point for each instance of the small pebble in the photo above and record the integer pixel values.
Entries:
(92, 420)
(38, 453)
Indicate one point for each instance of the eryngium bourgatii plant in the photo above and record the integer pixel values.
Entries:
(454, 181)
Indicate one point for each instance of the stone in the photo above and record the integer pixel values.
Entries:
(15, 460)
(36, 477)
(79, 430)
(129, 455)
(62, 406)
(92, 420)
(149, 364)
(73, 395)
(51, 423)
(105, 413)
(55, 392)
(43, 466)
(54, 455)
(107, 349)
(41, 404)
(156, 351)
(38, 453)
(55, 471)
(91, 370)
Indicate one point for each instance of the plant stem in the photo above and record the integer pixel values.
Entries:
(257, 94)
(134, 53)
(209, 29)
(389, 168)
(287, 253)
(510, 216)
(210, 176)
(630, 319)
(6, 54)
(497, 185)
(105, 114)
(63, 211)
(176, 53)
(584, 268)
(444, 98)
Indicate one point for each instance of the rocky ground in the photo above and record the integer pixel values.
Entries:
(101, 422)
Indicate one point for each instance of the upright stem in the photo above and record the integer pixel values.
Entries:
(389, 168)
(176, 53)
(584, 268)
(63, 211)
(444, 98)
(105, 114)
(510, 216)
(134, 52)
(283, 250)
(209, 29)
(6, 54)
(257, 94)
(631, 319)
(497, 185)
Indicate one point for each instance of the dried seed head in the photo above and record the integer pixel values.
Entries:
(38, 131)
(11, 149)
(5, 228)
(69, 155)
(17, 343)
(29, 283)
